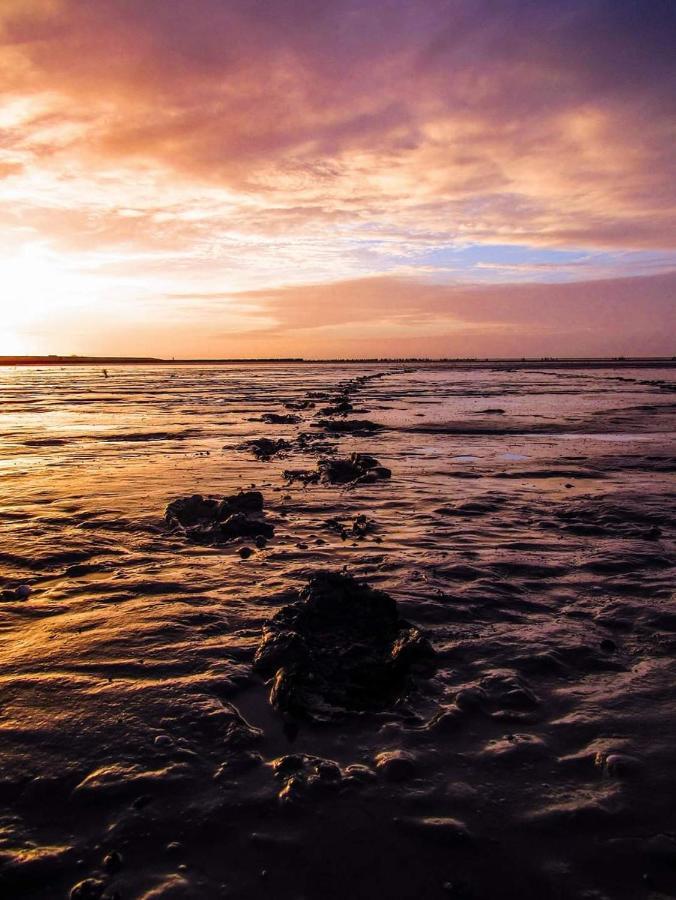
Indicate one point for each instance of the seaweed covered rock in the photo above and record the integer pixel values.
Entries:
(208, 520)
(266, 448)
(280, 419)
(358, 468)
(342, 647)
(360, 526)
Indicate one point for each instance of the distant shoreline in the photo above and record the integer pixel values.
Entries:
(528, 362)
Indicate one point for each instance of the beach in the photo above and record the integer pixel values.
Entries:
(519, 519)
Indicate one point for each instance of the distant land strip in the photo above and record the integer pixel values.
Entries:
(459, 362)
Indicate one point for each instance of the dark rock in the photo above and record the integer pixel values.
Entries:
(340, 407)
(266, 448)
(396, 765)
(113, 861)
(245, 552)
(359, 527)
(88, 889)
(303, 775)
(299, 404)
(359, 468)
(341, 647)
(208, 520)
(305, 476)
(280, 419)
(314, 443)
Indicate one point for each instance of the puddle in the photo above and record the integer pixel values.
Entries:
(645, 436)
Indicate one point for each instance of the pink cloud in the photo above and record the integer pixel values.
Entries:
(550, 127)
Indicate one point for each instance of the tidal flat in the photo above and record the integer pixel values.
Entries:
(310, 631)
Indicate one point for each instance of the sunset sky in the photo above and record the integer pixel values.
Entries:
(338, 178)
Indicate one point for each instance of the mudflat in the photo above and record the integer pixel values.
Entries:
(326, 631)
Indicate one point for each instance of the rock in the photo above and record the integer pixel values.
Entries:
(261, 541)
(360, 773)
(266, 448)
(341, 647)
(360, 526)
(245, 552)
(208, 520)
(88, 889)
(277, 419)
(340, 407)
(299, 404)
(305, 476)
(23, 592)
(608, 645)
(113, 861)
(358, 468)
(302, 775)
(396, 765)
(307, 442)
(618, 765)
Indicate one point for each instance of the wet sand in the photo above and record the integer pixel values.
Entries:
(526, 530)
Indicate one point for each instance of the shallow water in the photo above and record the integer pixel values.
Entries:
(528, 519)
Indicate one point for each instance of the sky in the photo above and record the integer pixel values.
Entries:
(334, 178)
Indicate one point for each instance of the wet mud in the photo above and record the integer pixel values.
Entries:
(455, 679)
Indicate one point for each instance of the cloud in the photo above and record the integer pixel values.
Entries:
(384, 316)
(541, 123)
(311, 159)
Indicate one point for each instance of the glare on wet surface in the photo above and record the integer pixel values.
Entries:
(518, 539)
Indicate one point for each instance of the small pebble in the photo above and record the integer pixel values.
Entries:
(245, 552)
(619, 765)
(89, 889)
(23, 592)
(396, 765)
(113, 861)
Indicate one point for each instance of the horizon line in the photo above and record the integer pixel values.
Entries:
(80, 359)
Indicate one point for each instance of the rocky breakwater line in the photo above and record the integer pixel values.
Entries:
(209, 520)
(341, 648)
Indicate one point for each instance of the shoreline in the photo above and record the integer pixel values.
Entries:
(455, 363)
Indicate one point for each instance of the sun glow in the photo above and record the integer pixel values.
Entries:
(38, 286)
